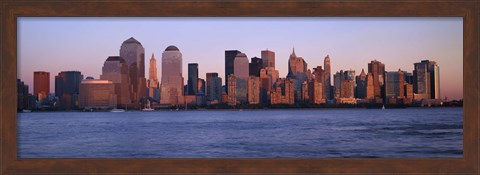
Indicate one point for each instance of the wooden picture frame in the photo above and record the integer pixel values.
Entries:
(10, 10)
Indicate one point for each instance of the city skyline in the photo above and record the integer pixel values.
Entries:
(443, 35)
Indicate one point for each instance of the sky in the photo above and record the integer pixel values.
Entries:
(56, 44)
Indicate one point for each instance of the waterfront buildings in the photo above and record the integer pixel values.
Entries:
(241, 73)
(229, 62)
(97, 94)
(192, 81)
(315, 92)
(41, 84)
(297, 71)
(153, 85)
(214, 88)
(370, 89)
(67, 84)
(115, 69)
(283, 93)
(172, 80)
(133, 53)
(25, 100)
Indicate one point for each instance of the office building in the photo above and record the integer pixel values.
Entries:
(327, 84)
(171, 88)
(97, 94)
(377, 69)
(41, 84)
(241, 73)
(192, 81)
(115, 69)
(133, 53)
(394, 85)
(254, 66)
(153, 85)
(67, 84)
(361, 88)
(229, 64)
(214, 88)
(426, 80)
(268, 58)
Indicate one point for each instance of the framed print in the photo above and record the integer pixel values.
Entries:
(239, 87)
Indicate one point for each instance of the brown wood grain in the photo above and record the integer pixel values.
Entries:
(10, 10)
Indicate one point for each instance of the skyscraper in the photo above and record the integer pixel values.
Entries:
(255, 66)
(115, 69)
(241, 72)
(229, 58)
(172, 80)
(426, 79)
(328, 84)
(41, 84)
(153, 84)
(268, 58)
(192, 81)
(133, 53)
(394, 85)
(67, 84)
(297, 71)
(361, 88)
(214, 88)
(377, 69)
(201, 84)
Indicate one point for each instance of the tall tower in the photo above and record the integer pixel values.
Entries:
(153, 84)
(426, 79)
(377, 69)
(134, 54)
(192, 82)
(172, 80)
(229, 58)
(241, 71)
(328, 84)
(41, 84)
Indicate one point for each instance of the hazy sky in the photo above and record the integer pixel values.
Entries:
(83, 44)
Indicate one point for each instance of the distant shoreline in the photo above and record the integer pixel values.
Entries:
(247, 109)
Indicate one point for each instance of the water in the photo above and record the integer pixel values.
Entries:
(390, 133)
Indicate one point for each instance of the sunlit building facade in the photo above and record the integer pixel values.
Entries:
(97, 94)
(115, 69)
(171, 87)
(133, 53)
(241, 72)
(41, 84)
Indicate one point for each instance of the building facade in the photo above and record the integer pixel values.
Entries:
(153, 84)
(171, 88)
(41, 84)
(115, 69)
(253, 90)
(241, 72)
(67, 88)
(192, 81)
(133, 53)
(214, 88)
(377, 69)
(254, 66)
(268, 58)
(97, 94)
(229, 64)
